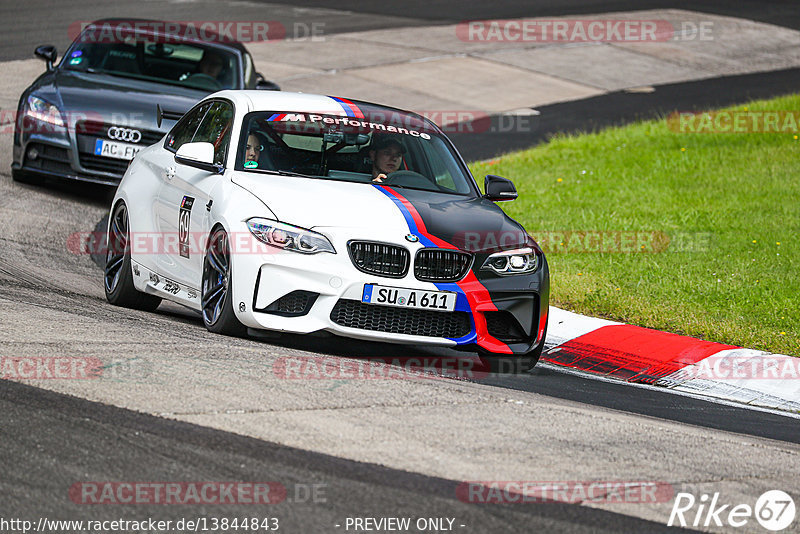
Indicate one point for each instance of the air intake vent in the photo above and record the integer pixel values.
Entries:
(294, 304)
(379, 258)
(441, 265)
(503, 326)
(356, 314)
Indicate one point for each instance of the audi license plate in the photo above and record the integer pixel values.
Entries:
(409, 298)
(114, 149)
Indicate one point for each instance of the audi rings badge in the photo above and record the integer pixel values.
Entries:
(124, 134)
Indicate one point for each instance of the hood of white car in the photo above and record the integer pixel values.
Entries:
(310, 202)
(469, 223)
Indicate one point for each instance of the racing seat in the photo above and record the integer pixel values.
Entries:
(265, 157)
(121, 58)
(364, 163)
(265, 161)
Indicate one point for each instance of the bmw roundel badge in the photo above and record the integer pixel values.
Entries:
(411, 238)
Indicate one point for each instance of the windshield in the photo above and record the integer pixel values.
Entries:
(382, 146)
(189, 65)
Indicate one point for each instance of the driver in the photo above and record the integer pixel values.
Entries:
(210, 64)
(386, 154)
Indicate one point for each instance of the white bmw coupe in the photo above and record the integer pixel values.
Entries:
(305, 213)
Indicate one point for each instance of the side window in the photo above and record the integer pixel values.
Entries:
(441, 173)
(216, 129)
(249, 72)
(184, 130)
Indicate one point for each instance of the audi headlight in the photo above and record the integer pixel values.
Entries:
(44, 111)
(288, 237)
(518, 261)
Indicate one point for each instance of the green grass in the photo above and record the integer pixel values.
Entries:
(725, 201)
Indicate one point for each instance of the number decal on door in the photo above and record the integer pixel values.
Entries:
(183, 225)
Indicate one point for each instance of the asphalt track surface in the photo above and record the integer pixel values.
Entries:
(149, 448)
(49, 440)
(495, 135)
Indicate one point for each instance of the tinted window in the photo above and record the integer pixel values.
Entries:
(184, 131)
(249, 72)
(383, 146)
(216, 129)
(136, 56)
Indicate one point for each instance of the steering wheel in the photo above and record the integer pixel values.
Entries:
(203, 81)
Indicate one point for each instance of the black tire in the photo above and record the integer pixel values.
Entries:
(504, 364)
(216, 289)
(23, 177)
(118, 275)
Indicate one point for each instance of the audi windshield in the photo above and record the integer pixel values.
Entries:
(383, 146)
(140, 57)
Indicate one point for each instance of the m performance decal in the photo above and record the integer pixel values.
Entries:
(469, 289)
(184, 218)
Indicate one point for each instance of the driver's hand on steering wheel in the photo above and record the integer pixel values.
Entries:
(381, 177)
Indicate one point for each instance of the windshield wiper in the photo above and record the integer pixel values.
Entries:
(92, 70)
(400, 186)
(288, 173)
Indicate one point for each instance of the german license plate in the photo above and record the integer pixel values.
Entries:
(113, 149)
(408, 298)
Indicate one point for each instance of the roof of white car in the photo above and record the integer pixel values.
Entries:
(258, 100)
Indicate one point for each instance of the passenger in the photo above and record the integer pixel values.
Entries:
(252, 150)
(386, 154)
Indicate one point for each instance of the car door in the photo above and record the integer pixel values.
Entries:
(164, 166)
(185, 198)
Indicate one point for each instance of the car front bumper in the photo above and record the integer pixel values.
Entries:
(292, 292)
(68, 153)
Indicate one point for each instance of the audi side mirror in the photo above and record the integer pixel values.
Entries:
(47, 53)
(265, 85)
(498, 188)
(198, 155)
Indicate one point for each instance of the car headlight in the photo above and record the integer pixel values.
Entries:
(519, 261)
(44, 111)
(288, 237)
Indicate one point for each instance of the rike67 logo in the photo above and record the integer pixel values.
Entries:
(774, 510)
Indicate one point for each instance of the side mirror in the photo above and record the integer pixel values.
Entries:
(198, 155)
(47, 53)
(498, 188)
(265, 85)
